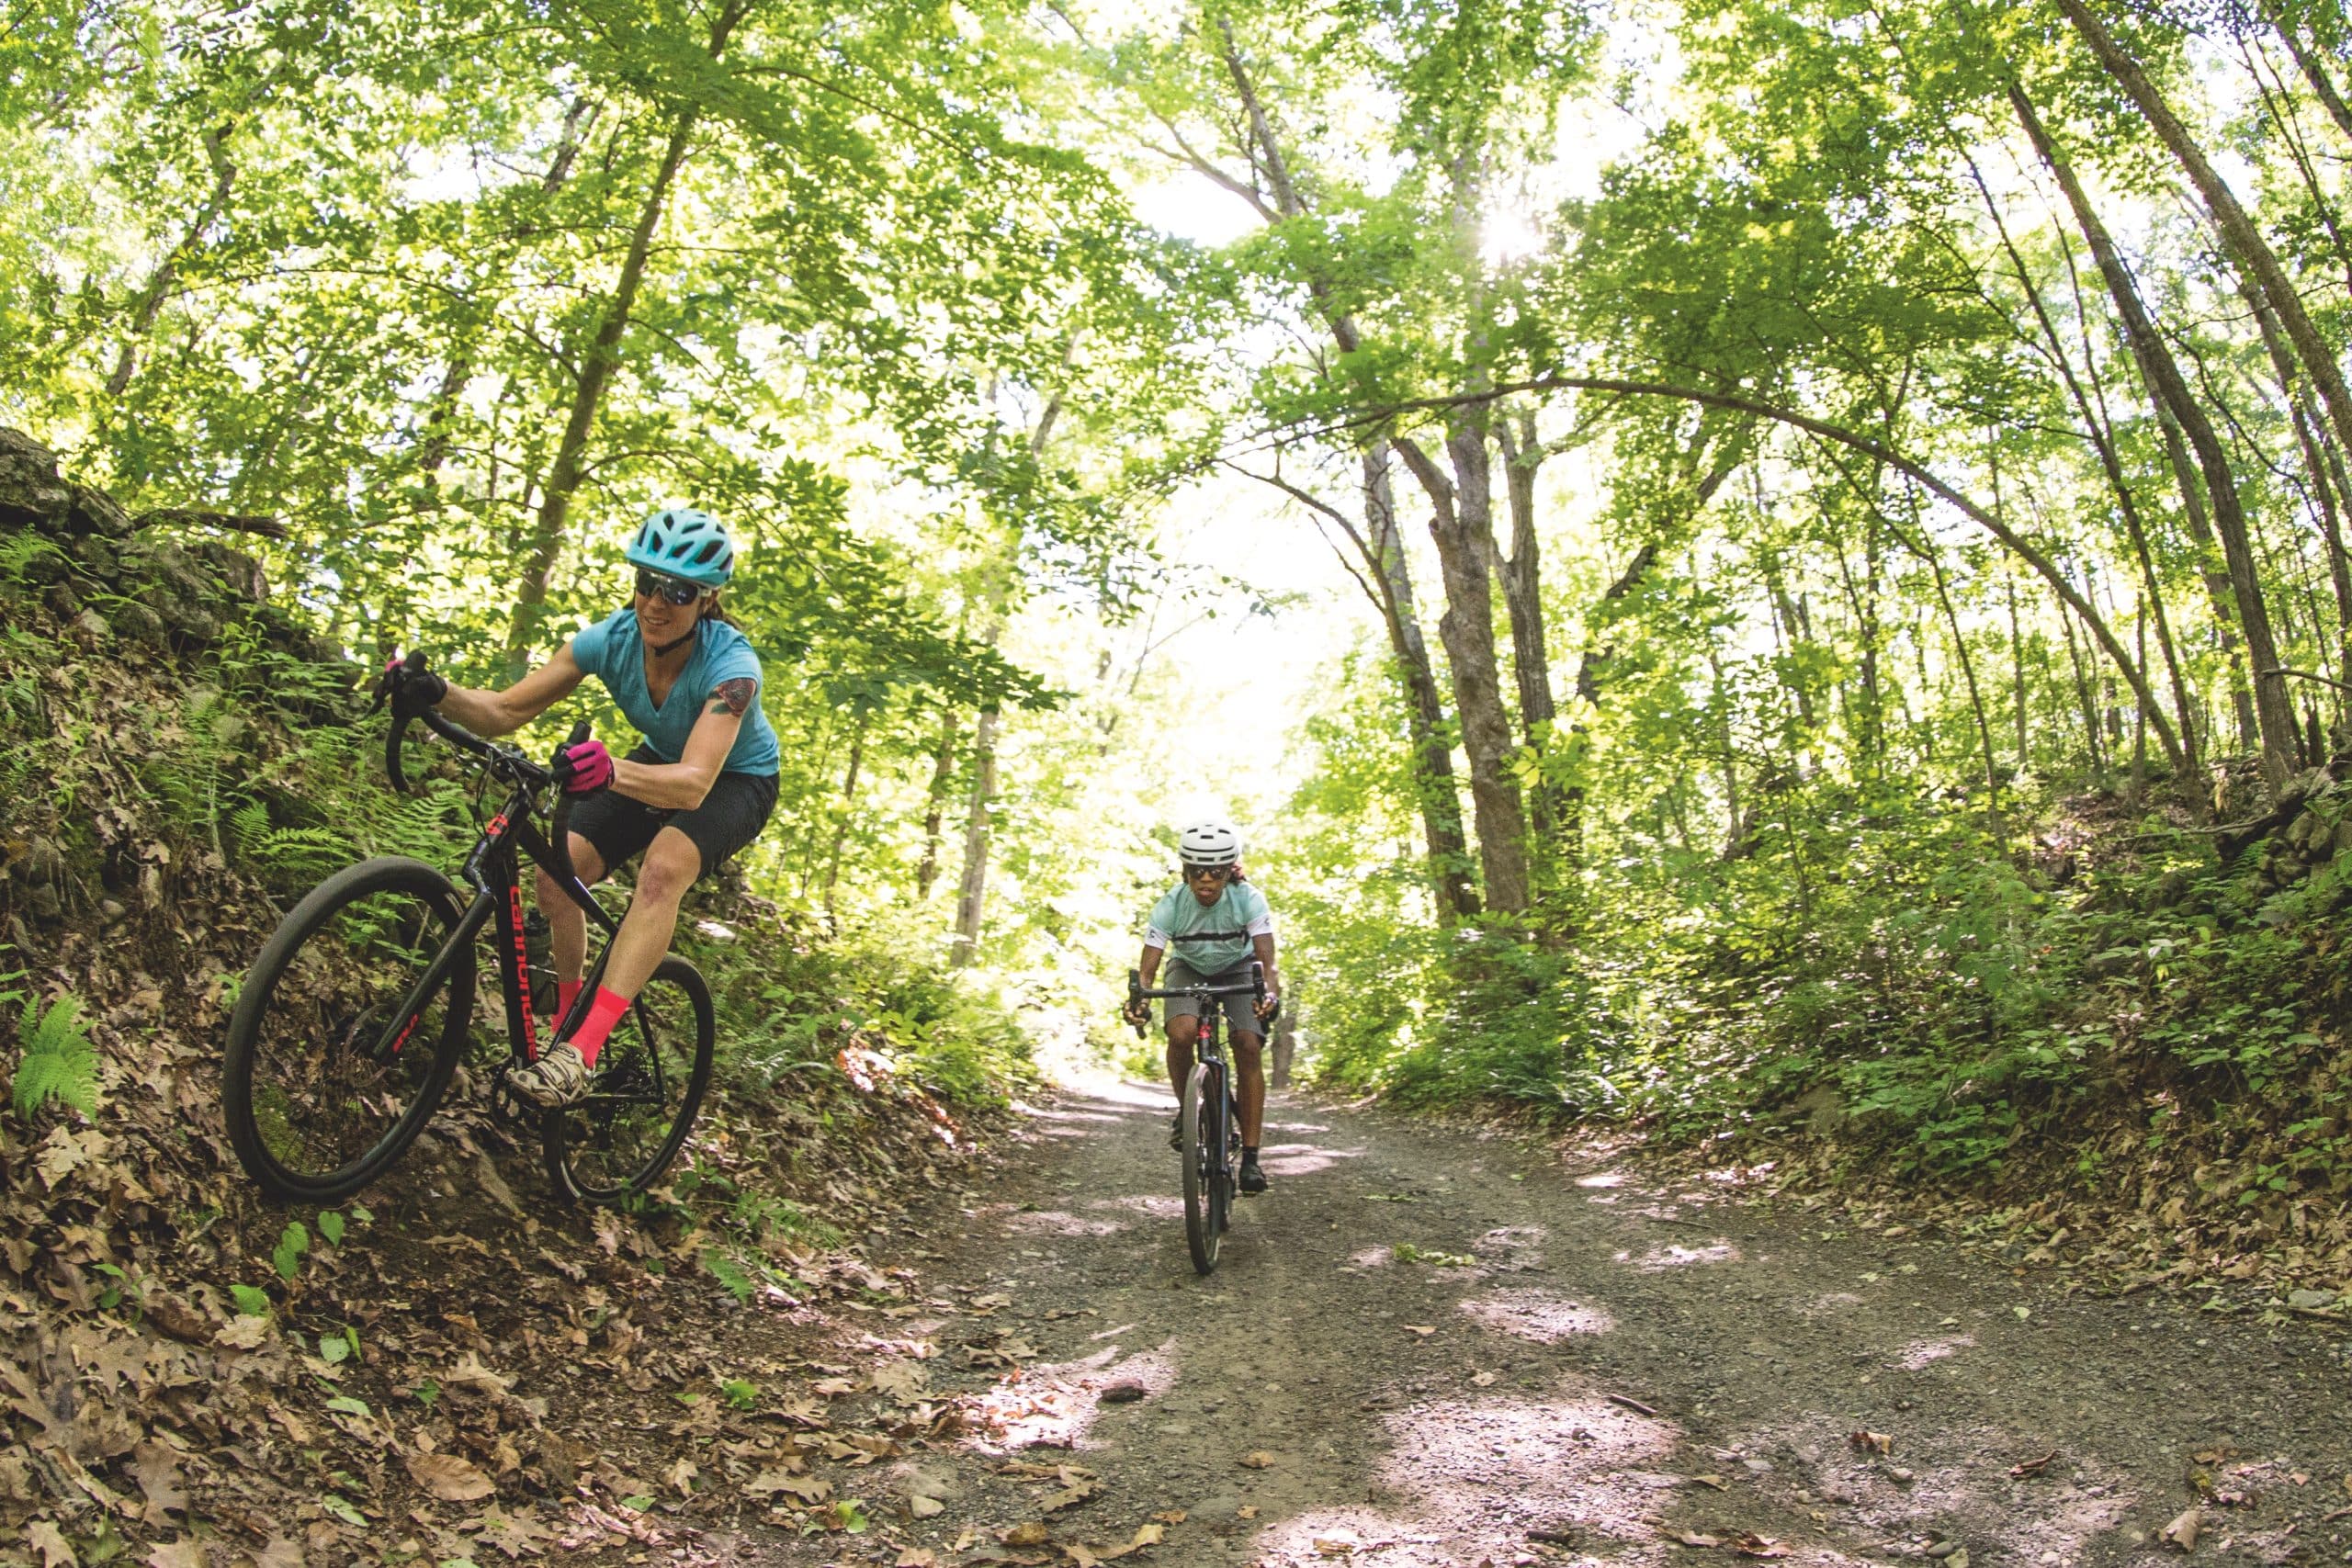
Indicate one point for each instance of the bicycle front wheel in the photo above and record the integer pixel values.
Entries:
(649, 1083)
(1203, 1142)
(347, 1030)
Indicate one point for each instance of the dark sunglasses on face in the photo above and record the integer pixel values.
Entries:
(1208, 872)
(669, 590)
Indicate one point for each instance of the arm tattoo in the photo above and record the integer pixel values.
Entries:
(734, 696)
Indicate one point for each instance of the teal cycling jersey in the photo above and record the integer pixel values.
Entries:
(1181, 921)
(613, 651)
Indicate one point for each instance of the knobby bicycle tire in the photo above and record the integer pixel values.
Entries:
(1201, 1137)
(650, 1080)
(323, 1087)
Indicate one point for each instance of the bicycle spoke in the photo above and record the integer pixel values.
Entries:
(337, 1053)
(641, 1104)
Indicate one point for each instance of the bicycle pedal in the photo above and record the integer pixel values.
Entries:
(509, 1106)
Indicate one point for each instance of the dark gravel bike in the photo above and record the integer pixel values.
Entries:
(1210, 1129)
(359, 1011)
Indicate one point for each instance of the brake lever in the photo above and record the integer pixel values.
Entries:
(386, 690)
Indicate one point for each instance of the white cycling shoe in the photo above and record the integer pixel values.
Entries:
(558, 1078)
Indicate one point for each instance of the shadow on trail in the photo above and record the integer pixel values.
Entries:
(1427, 1351)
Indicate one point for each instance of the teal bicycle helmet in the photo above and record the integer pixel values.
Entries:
(678, 541)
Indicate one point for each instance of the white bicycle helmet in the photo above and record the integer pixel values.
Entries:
(1208, 844)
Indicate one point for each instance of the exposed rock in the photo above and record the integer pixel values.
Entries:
(31, 493)
(138, 622)
(238, 572)
(97, 556)
(1823, 1108)
(96, 511)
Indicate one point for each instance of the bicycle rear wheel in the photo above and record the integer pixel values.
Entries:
(338, 1050)
(1203, 1139)
(649, 1081)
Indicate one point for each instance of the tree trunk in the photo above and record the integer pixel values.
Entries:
(849, 807)
(159, 282)
(2273, 713)
(943, 770)
(2322, 482)
(1523, 596)
(2097, 426)
(2017, 672)
(2322, 86)
(1462, 523)
(2083, 698)
(432, 452)
(1975, 697)
(2245, 243)
(1433, 781)
(596, 368)
(971, 898)
(2011, 540)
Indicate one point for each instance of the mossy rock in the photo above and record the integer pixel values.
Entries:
(135, 622)
(31, 493)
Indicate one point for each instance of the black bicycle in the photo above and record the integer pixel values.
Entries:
(358, 1013)
(1210, 1124)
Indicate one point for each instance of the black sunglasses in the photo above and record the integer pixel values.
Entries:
(1212, 873)
(669, 590)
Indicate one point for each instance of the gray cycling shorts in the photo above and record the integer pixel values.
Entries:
(1238, 1018)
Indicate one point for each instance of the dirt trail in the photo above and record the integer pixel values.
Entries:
(1487, 1402)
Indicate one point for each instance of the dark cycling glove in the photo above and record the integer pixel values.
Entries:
(410, 689)
(584, 768)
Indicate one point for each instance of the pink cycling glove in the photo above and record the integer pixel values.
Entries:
(584, 768)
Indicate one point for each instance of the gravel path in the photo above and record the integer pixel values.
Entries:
(1425, 1348)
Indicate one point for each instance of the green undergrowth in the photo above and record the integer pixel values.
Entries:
(159, 807)
(1933, 994)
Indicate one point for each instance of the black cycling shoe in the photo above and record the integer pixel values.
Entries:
(1252, 1178)
(1176, 1134)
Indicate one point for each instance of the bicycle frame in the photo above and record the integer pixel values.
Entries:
(493, 867)
(1208, 1039)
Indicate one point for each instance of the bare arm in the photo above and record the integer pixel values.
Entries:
(1264, 942)
(680, 785)
(502, 713)
(1146, 971)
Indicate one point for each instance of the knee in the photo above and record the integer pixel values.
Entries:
(586, 865)
(1246, 1052)
(1182, 1031)
(671, 867)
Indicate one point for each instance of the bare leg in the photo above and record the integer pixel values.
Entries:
(1249, 1085)
(1181, 1032)
(567, 922)
(671, 866)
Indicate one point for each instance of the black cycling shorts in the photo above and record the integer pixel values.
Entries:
(729, 817)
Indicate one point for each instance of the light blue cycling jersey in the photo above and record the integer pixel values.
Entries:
(613, 651)
(1238, 913)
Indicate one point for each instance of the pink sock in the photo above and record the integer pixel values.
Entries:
(565, 990)
(602, 1013)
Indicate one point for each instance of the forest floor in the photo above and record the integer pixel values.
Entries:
(1427, 1346)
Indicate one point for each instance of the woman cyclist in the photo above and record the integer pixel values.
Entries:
(697, 787)
(1226, 923)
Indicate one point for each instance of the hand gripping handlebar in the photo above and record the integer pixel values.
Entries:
(1255, 989)
(523, 770)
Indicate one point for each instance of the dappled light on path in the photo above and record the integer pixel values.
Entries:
(1675, 1255)
(1537, 1315)
(1061, 1222)
(1417, 1352)
(1919, 1352)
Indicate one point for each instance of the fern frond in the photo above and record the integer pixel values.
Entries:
(249, 825)
(59, 1062)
